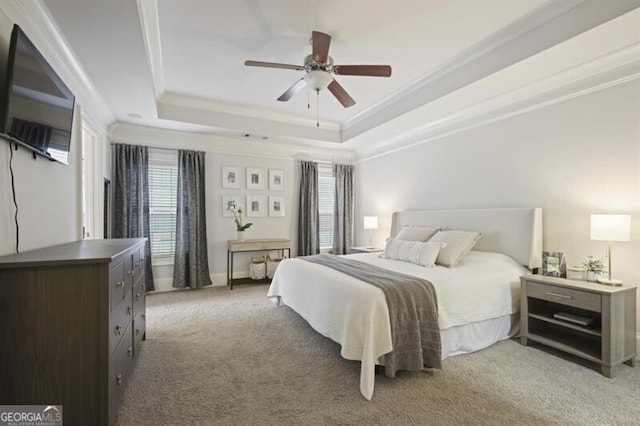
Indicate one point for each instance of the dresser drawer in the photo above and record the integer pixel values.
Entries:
(119, 320)
(139, 329)
(117, 284)
(138, 265)
(139, 295)
(565, 296)
(119, 368)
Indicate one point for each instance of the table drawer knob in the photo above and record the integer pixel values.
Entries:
(120, 284)
(118, 330)
(119, 379)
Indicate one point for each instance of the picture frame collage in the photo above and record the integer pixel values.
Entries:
(256, 179)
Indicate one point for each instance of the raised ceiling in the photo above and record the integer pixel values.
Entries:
(179, 64)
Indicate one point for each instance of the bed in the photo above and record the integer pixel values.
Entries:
(477, 300)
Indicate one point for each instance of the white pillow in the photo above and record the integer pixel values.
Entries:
(417, 252)
(458, 245)
(416, 233)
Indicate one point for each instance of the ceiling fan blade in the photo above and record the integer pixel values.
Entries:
(365, 70)
(297, 86)
(341, 94)
(273, 65)
(320, 42)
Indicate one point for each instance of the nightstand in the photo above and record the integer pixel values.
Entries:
(588, 320)
(353, 250)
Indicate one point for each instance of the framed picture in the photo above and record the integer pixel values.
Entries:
(255, 205)
(230, 177)
(276, 180)
(276, 206)
(228, 201)
(553, 264)
(255, 178)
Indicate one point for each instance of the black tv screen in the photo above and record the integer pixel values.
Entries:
(38, 107)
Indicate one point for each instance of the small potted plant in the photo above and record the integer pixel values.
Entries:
(237, 218)
(594, 267)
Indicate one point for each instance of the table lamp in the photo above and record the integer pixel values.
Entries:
(610, 227)
(370, 223)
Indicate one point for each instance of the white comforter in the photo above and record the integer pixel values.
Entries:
(355, 314)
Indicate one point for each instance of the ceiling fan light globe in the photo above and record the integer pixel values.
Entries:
(318, 80)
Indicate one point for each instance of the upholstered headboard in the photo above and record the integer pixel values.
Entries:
(516, 232)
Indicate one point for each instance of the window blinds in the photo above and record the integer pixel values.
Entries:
(163, 184)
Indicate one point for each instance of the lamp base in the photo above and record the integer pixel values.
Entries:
(609, 282)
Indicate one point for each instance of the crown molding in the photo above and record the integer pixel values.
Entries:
(606, 71)
(172, 139)
(216, 114)
(35, 19)
(544, 27)
(150, 24)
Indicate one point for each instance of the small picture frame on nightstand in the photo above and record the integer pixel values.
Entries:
(553, 264)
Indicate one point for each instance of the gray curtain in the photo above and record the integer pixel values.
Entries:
(308, 212)
(191, 264)
(131, 199)
(343, 214)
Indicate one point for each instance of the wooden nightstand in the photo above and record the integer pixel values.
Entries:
(609, 340)
(353, 250)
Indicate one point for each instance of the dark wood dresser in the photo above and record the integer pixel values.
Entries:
(72, 318)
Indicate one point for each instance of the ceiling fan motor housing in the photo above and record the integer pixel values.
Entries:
(317, 75)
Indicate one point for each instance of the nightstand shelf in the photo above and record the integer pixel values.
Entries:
(608, 341)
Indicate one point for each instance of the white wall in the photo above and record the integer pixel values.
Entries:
(47, 192)
(573, 158)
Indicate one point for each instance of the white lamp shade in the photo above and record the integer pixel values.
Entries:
(611, 227)
(371, 222)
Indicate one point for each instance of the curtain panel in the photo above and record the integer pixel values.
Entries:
(131, 199)
(343, 214)
(308, 211)
(191, 264)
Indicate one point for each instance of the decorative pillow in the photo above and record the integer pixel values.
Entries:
(417, 252)
(416, 233)
(458, 245)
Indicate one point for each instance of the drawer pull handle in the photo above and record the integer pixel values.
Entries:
(119, 379)
(130, 351)
(137, 331)
(138, 296)
(129, 310)
(130, 272)
(563, 296)
(120, 284)
(118, 330)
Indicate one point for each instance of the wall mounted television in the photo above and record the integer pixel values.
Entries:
(37, 108)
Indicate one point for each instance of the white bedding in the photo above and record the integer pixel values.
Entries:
(353, 313)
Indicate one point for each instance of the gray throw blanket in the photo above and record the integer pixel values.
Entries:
(413, 312)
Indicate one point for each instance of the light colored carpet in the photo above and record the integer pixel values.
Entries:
(214, 356)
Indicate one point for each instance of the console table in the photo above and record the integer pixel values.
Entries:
(236, 246)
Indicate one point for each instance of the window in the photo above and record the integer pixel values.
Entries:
(326, 203)
(163, 185)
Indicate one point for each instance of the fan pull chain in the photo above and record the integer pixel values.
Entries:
(317, 107)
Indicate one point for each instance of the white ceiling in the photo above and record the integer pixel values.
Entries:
(179, 64)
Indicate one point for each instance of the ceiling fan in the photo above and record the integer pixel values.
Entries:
(318, 69)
